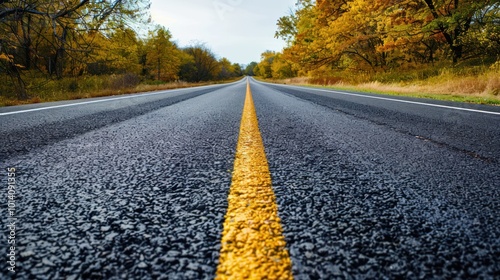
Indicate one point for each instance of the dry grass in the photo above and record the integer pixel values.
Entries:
(296, 81)
(70, 89)
(482, 88)
(481, 85)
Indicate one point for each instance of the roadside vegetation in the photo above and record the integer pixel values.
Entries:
(445, 49)
(428, 48)
(94, 86)
(57, 50)
(479, 85)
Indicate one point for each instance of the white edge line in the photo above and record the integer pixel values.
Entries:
(102, 100)
(395, 100)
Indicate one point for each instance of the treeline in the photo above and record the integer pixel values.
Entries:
(48, 39)
(327, 36)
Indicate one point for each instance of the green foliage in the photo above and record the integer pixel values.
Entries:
(250, 69)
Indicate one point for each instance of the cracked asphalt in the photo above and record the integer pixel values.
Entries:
(366, 188)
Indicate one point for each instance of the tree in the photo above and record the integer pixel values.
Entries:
(363, 35)
(281, 68)
(119, 53)
(228, 70)
(301, 33)
(162, 57)
(249, 70)
(202, 65)
(55, 37)
(454, 20)
(265, 66)
(238, 70)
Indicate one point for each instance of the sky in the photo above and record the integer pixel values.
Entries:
(239, 30)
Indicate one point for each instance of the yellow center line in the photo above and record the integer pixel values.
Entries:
(253, 246)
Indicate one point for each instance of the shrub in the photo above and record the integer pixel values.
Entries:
(326, 81)
(73, 86)
(128, 80)
(493, 84)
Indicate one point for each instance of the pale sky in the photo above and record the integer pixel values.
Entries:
(239, 30)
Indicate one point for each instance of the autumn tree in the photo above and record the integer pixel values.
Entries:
(298, 29)
(281, 68)
(162, 57)
(201, 65)
(55, 37)
(379, 35)
(228, 70)
(264, 68)
(237, 70)
(459, 24)
(249, 69)
(115, 53)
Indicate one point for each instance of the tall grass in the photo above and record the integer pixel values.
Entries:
(478, 84)
(43, 90)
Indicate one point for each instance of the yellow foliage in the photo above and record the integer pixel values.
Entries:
(377, 35)
(6, 57)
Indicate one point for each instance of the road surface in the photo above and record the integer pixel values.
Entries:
(365, 186)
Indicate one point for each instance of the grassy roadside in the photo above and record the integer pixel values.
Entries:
(92, 86)
(477, 88)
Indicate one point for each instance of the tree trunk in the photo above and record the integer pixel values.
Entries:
(457, 53)
(26, 28)
(447, 35)
(60, 55)
(18, 82)
(158, 69)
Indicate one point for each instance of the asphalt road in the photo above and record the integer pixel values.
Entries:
(366, 186)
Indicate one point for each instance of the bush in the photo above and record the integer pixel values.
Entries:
(326, 81)
(128, 80)
(493, 84)
(73, 86)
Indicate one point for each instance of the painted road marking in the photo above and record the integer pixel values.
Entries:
(396, 100)
(104, 100)
(87, 102)
(253, 246)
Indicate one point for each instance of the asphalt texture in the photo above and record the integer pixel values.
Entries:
(136, 199)
(39, 128)
(366, 189)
